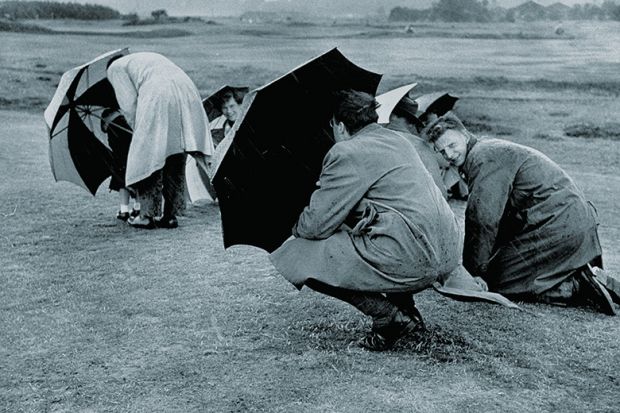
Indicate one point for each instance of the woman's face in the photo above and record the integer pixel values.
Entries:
(231, 109)
(453, 147)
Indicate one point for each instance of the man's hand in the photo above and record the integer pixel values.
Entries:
(481, 283)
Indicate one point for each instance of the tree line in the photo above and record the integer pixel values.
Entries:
(482, 11)
(14, 10)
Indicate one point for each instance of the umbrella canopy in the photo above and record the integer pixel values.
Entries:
(78, 147)
(389, 100)
(213, 103)
(438, 103)
(274, 154)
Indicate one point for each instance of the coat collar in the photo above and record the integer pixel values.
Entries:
(371, 127)
(472, 142)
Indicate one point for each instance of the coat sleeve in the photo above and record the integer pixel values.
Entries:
(341, 189)
(125, 91)
(490, 186)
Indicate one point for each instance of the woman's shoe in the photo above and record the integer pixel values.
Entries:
(141, 222)
(134, 213)
(167, 222)
(123, 216)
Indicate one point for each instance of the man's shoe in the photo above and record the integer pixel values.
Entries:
(141, 222)
(123, 216)
(593, 293)
(413, 313)
(167, 222)
(407, 306)
(384, 338)
(609, 280)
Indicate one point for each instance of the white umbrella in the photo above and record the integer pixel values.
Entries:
(389, 100)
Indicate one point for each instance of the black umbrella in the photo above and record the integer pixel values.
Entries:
(78, 148)
(271, 167)
(437, 103)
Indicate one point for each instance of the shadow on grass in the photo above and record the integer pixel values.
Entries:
(435, 343)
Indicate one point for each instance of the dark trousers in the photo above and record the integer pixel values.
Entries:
(382, 308)
(167, 183)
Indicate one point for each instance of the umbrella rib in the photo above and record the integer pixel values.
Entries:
(59, 132)
(115, 124)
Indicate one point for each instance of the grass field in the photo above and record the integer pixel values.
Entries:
(95, 316)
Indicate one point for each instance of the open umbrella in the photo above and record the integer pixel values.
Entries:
(438, 103)
(78, 147)
(275, 151)
(388, 101)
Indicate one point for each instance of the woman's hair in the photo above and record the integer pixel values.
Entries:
(355, 109)
(439, 126)
(235, 94)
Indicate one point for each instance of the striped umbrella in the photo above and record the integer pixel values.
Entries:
(79, 151)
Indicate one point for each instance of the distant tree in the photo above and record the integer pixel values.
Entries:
(404, 14)
(53, 10)
(160, 14)
(611, 10)
(587, 11)
(461, 11)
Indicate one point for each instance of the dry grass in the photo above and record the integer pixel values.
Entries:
(98, 317)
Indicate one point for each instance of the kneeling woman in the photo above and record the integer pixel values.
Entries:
(378, 228)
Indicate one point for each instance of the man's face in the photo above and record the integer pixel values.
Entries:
(231, 109)
(453, 147)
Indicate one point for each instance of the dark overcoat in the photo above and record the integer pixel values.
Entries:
(527, 224)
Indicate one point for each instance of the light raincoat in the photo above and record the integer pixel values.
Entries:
(164, 109)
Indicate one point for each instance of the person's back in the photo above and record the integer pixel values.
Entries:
(542, 191)
(148, 67)
(396, 177)
(430, 159)
(544, 211)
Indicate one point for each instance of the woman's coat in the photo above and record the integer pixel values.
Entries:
(163, 106)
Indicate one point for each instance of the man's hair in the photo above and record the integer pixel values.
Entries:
(439, 126)
(407, 108)
(235, 94)
(355, 109)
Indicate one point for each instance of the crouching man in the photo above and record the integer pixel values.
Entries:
(530, 233)
(377, 230)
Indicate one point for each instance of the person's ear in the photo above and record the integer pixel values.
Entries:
(341, 127)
